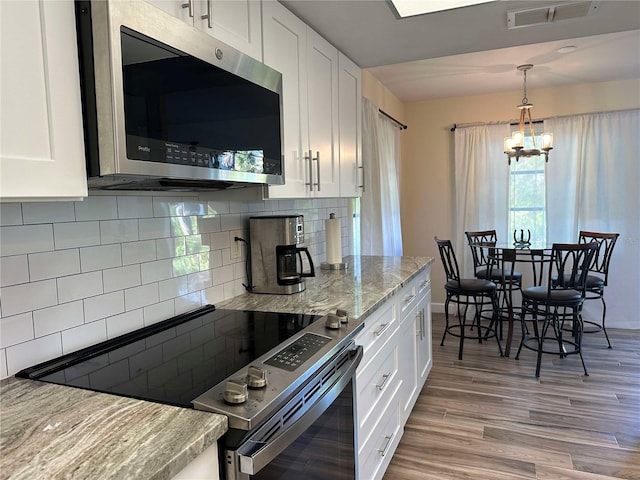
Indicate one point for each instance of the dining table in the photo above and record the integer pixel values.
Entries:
(505, 257)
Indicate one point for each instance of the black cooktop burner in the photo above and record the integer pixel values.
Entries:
(176, 360)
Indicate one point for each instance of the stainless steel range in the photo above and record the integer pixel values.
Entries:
(283, 380)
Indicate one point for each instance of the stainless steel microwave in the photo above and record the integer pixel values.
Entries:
(167, 107)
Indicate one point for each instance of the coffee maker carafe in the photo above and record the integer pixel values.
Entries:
(276, 245)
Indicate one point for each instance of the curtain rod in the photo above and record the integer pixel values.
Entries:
(511, 122)
(401, 125)
(540, 120)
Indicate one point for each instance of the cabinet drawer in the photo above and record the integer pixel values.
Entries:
(376, 382)
(378, 329)
(407, 298)
(377, 451)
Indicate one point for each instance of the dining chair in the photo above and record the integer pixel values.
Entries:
(598, 275)
(558, 304)
(466, 292)
(479, 242)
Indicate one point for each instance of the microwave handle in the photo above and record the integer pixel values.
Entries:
(311, 272)
(253, 455)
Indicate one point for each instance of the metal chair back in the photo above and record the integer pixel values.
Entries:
(570, 266)
(602, 257)
(478, 241)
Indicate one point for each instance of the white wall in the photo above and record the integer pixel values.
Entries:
(427, 158)
(73, 274)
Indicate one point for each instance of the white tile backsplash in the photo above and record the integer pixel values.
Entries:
(27, 297)
(135, 207)
(69, 269)
(102, 306)
(10, 214)
(156, 227)
(84, 336)
(16, 329)
(76, 234)
(170, 247)
(118, 231)
(156, 271)
(138, 252)
(158, 312)
(76, 287)
(49, 212)
(23, 355)
(58, 318)
(121, 278)
(97, 208)
(101, 257)
(173, 287)
(125, 322)
(53, 264)
(26, 239)
(14, 270)
(142, 296)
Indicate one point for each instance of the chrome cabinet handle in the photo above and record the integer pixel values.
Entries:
(409, 299)
(422, 325)
(385, 449)
(385, 378)
(361, 186)
(424, 284)
(420, 331)
(317, 159)
(309, 158)
(381, 331)
(189, 5)
(208, 15)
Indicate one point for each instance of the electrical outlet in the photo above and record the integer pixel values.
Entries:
(236, 245)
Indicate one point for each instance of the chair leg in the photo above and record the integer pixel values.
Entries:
(462, 319)
(579, 327)
(604, 313)
(446, 320)
(496, 320)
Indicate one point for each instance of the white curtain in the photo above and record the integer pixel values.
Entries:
(593, 183)
(481, 186)
(380, 202)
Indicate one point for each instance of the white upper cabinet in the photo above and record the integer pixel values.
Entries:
(42, 142)
(350, 132)
(322, 100)
(285, 47)
(235, 22)
(309, 67)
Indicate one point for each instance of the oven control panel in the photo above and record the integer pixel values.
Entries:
(298, 352)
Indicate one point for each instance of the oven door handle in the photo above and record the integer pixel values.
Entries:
(254, 455)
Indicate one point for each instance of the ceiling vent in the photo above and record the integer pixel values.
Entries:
(540, 15)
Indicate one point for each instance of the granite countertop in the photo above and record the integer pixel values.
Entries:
(366, 284)
(51, 431)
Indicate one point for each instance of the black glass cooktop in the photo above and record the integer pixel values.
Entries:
(176, 360)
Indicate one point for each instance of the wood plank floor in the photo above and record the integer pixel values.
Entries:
(488, 417)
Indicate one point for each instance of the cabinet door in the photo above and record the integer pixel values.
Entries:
(409, 370)
(42, 142)
(236, 22)
(185, 10)
(424, 348)
(350, 127)
(322, 77)
(284, 47)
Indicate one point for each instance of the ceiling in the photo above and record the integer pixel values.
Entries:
(470, 50)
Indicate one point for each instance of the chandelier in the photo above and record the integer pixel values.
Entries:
(514, 145)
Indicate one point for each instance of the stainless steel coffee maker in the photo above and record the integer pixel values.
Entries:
(276, 245)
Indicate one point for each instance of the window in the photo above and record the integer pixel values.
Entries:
(527, 196)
